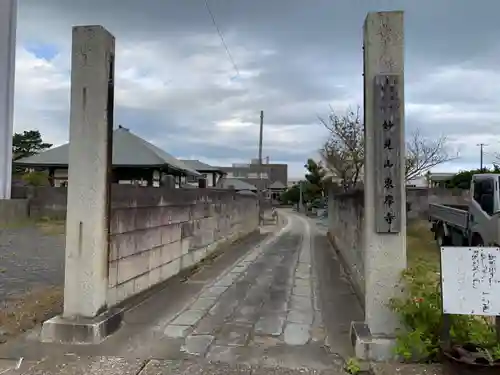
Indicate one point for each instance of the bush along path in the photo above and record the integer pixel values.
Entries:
(474, 340)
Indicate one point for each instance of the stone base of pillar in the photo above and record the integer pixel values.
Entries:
(368, 347)
(82, 330)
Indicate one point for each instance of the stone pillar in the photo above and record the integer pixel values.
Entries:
(384, 237)
(87, 222)
(88, 177)
(8, 21)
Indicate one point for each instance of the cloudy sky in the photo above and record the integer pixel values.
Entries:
(177, 88)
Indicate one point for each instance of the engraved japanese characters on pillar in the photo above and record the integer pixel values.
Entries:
(388, 171)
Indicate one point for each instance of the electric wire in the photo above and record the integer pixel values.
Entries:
(221, 36)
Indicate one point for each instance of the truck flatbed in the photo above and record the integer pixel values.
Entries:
(454, 215)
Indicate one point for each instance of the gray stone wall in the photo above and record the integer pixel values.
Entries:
(419, 199)
(47, 201)
(156, 233)
(346, 222)
(345, 225)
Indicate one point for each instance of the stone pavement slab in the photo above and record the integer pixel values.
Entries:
(233, 334)
(270, 325)
(297, 334)
(175, 331)
(197, 345)
(203, 303)
(188, 318)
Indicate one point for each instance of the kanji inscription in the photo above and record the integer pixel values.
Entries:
(387, 137)
(471, 280)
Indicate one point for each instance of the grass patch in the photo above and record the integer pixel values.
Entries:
(17, 224)
(24, 313)
(46, 225)
(421, 246)
(50, 226)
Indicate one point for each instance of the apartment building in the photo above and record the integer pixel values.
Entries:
(269, 174)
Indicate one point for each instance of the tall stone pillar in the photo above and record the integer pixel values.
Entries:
(385, 191)
(87, 222)
(8, 22)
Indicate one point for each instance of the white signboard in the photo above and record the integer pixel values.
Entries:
(471, 283)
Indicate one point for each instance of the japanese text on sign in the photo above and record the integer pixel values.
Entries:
(471, 283)
(387, 138)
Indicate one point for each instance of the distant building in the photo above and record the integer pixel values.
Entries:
(134, 161)
(236, 184)
(250, 173)
(208, 172)
(293, 181)
(438, 179)
(419, 182)
(275, 190)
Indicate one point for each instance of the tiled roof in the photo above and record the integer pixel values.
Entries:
(129, 150)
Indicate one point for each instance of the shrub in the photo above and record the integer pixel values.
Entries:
(420, 312)
(36, 178)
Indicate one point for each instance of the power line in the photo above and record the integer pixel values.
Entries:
(222, 38)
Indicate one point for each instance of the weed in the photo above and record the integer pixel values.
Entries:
(353, 366)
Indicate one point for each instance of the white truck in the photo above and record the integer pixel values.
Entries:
(475, 224)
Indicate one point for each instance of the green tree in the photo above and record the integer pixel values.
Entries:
(291, 195)
(463, 179)
(36, 178)
(28, 143)
(313, 188)
(315, 172)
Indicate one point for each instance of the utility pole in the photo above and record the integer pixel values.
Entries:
(481, 147)
(8, 27)
(261, 133)
(301, 200)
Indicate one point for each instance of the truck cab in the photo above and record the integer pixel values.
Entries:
(484, 210)
(478, 223)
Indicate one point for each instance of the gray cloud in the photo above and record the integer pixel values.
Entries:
(176, 86)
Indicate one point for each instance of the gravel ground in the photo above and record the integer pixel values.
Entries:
(408, 369)
(29, 259)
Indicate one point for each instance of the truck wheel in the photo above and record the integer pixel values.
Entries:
(442, 239)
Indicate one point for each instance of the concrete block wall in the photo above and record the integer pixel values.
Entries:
(345, 225)
(346, 222)
(418, 199)
(156, 233)
(45, 201)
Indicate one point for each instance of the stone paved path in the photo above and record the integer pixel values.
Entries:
(261, 315)
(266, 303)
